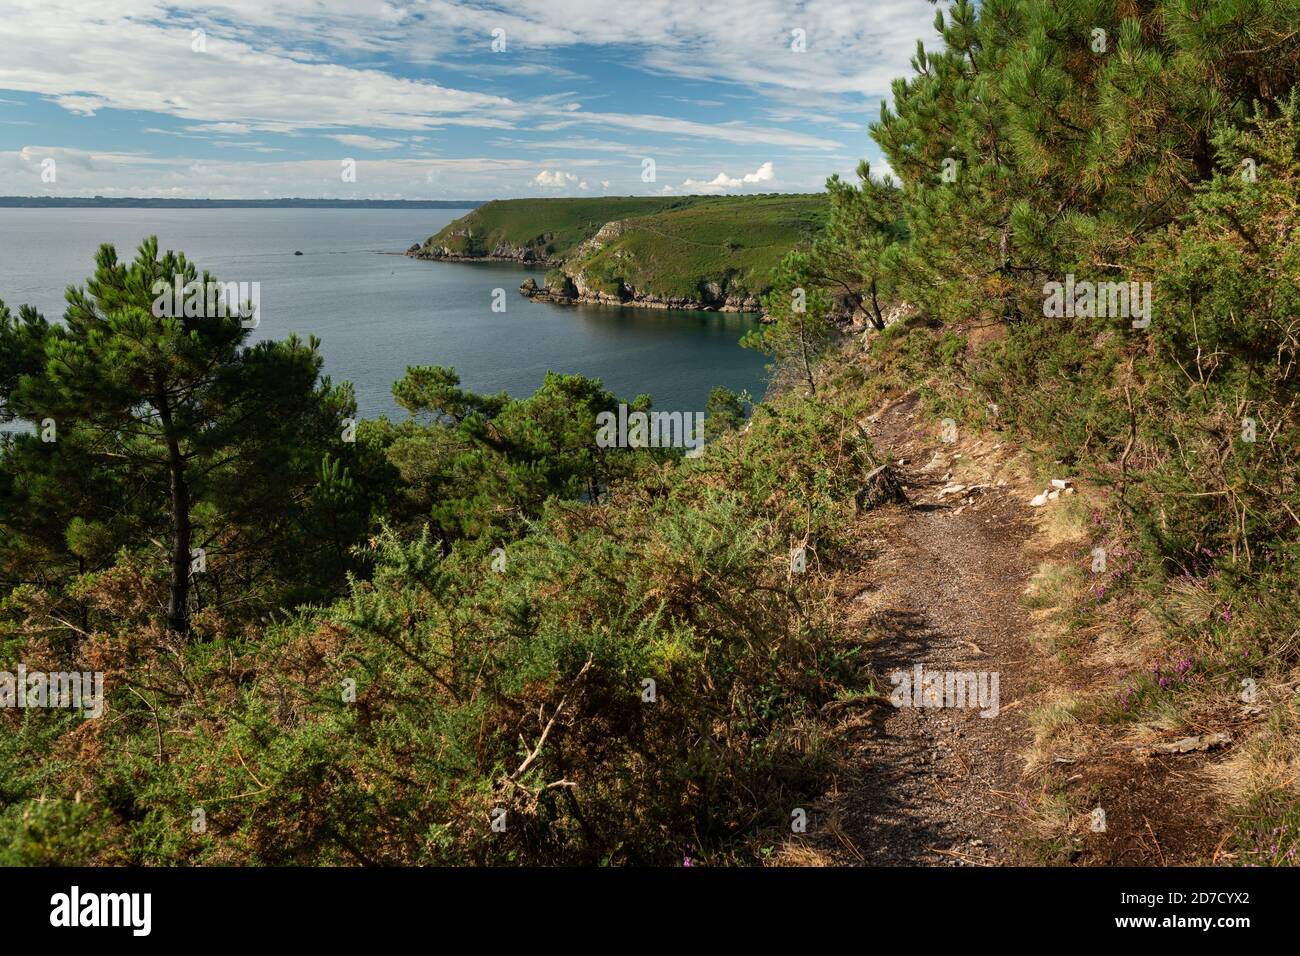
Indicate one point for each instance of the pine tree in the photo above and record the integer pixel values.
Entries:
(170, 421)
(857, 251)
(798, 331)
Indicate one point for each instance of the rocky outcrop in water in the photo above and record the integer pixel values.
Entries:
(573, 288)
(466, 250)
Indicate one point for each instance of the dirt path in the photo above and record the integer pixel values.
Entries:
(940, 586)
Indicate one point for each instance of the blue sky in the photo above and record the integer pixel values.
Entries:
(259, 98)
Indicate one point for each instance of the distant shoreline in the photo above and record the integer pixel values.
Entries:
(128, 202)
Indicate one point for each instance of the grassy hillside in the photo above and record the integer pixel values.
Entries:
(733, 241)
(684, 248)
(552, 227)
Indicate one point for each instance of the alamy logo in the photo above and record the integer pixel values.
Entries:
(204, 300)
(38, 689)
(1122, 300)
(651, 430)
(961, 689)
(103, 909)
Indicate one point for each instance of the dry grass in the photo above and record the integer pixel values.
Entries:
(798, 852)
(1268, 763)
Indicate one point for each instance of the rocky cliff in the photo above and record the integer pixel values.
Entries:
(467, 252)
(572, 287)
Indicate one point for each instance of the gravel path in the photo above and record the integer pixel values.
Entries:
(940, 588)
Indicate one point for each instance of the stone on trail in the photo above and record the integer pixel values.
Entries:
(934, 465)
(880, 487)
(1189, 744)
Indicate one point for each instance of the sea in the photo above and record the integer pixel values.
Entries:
(376, 312)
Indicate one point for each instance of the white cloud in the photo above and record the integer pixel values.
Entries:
(851, 49)
(739, 133)
(576, 143)
(722, 182)
(234, 129)
(82, 105)
(704, 103)
(365, 142)
(123, 58)
(136, 54)
(787, 115)
(556, 179)
(108, 173)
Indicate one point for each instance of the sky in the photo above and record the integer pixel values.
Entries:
(444, 99)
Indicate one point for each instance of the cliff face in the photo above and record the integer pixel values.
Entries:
(573, 288)
(465, 250)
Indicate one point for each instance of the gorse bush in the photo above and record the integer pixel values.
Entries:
(1223, 442)
(634, 675)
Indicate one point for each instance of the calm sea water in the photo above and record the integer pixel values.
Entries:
(376, 314)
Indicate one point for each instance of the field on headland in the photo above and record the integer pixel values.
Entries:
(706, 252)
